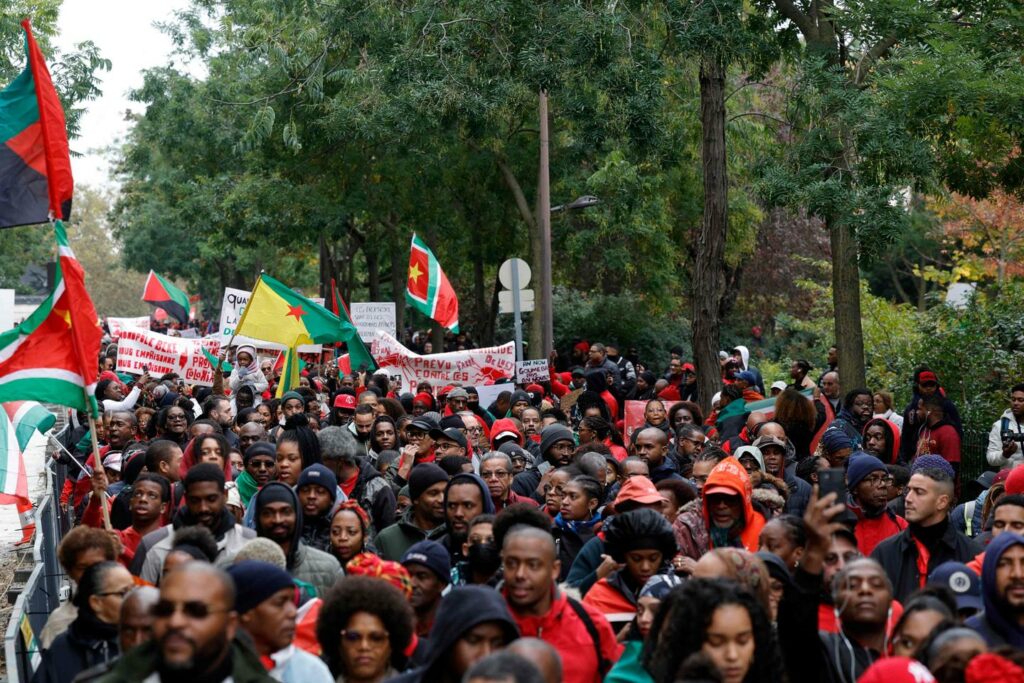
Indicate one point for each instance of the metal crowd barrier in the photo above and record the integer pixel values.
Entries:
(41, 594)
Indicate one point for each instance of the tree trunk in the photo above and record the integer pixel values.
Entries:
(708, 275)
(372, 270)
(398, 273)
(846, 304)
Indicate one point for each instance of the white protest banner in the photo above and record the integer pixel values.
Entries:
(532, 371)
(467, 368)
(231, 309)
(161, 354)
(115, 325)
(373, 316)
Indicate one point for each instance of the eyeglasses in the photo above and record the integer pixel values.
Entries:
(261, 464)
(497, 474)
(475, 430)
(878, 480)
(192, 609)
(121, 593)
(375, 638)
(173, 416)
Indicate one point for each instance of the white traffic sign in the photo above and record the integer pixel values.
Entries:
(506, 305)
(522, 270)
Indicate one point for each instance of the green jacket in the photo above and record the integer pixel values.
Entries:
(393, 541)
(137, 664)
(629, 669)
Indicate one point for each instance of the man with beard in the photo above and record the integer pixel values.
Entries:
(465, 497)
(358, 479)
(1002, 582)
(279, 518)
(556, 448)
(259, 468)
(317, 489)
(362, 424)
(424, 520)
(430, 573)
(868, 483)
(265, 602)
(775, 447)
(194, 635)
(652, 447)
(205, 504)
(218, 409)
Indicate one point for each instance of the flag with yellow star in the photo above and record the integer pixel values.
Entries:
(53, 355)
(276, 313)
(428, 289)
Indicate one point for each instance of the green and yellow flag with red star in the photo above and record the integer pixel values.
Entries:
(278, 314)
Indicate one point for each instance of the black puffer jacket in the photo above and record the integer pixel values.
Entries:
(88, 642)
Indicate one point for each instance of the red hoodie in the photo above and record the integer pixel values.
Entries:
(894, 438)
(562, 629)
(732, 477)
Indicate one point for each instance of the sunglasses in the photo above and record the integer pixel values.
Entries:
(192, 609)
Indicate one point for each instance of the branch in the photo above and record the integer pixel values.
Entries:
(871, 56)
(762, 115)
(803, 22)
(517, 191)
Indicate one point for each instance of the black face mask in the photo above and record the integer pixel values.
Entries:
(484, 558)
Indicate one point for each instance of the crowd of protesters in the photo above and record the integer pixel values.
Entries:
(802, 530)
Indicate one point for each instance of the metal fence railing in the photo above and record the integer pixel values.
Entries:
(39, 597)
(972, 454)
(41, 593)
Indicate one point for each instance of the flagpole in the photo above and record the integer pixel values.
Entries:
(240, 321)
(98, 467)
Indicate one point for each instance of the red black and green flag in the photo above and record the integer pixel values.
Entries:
(35, 166)
(358, 355)
(161, 292)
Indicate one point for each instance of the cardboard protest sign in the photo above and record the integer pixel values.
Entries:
(231, 309)
(467, 368)
(161, 354)
(368, 317)
(115, 325)
(532, 371)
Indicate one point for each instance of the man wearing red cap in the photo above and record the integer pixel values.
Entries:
(938, 435)
(926, 383)
(344, 409)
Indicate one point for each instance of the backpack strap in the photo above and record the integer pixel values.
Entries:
(969, 516)
(603, 664)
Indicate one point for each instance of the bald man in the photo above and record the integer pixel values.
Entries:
(544, 657)
(651, 446)
(541, 610)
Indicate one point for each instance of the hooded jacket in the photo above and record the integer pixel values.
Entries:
(505, 424)
(563, 629)
(455, 549)
(996, 624)
(912, 427)
(148, 563)
(745, 357)
(393, 541)
(303, 562)
(893, 456)
(463, 609)
(730, 474)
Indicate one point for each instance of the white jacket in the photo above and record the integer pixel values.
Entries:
(994, 452)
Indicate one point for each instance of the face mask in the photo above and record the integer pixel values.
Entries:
(484, 558)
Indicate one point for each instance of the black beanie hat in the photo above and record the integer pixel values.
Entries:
(423, 477)
(259, 448)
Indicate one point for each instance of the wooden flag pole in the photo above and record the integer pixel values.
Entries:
(98, 467)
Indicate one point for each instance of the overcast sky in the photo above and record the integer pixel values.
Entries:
(124, 32)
